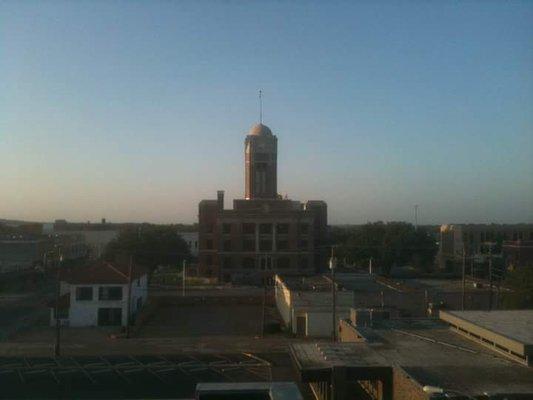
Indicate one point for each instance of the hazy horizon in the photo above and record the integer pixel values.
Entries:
(136, 111)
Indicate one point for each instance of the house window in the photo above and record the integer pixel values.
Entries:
(265, 245)
(265, 229)
(110, 293)
(248, 263)
(248, 245)
(248, 228)
(226, 228)
(84, 293)
(282, 229)
(284, 263)
(303, 229)
(227, 245)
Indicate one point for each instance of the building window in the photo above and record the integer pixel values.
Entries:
(265, 229)
(226, 228)
(284, 263)
(303, 229)
(227, 245)
(227, 263)
(303, 262)
(208, 228)
(110, 293)
(303, 244)
(208, 259)
(266, 263)
(84, 293)
(248, 228)
(248, 245)
(282, 245)
(209, 244)
(248, 263)
(282, 229)
(265, 245)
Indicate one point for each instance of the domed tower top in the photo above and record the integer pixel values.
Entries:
(260, 130)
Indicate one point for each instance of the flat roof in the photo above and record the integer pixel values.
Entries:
(515, 324)
(428, 351)
(508, 328)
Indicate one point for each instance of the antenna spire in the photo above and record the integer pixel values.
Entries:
(260, 106)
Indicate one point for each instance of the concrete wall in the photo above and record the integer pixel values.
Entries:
(319, 323)
(406, 388)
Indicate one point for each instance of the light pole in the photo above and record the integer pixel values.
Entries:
(333, 295)
(57, 348)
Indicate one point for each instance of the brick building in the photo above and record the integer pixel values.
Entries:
(262, 234)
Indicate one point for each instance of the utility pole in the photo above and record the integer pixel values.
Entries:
(416, 216)
(464, 280)
(333, 295)
(183, 277)
(490, 276)
(57, 347)
(263, 309)
(128, 303)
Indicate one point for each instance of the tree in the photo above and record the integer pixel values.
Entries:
(150, 245)
(521, 281)
(388, 244)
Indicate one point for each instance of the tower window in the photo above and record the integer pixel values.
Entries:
(248, 228)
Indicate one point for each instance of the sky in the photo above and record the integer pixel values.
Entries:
(135, 111)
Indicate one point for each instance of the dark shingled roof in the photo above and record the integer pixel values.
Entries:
(103, 273)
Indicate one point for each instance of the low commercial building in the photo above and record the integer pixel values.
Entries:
(100, 295)
(305, 304)
(509, 333)
(406, 359)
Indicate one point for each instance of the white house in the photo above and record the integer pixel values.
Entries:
(98, 295)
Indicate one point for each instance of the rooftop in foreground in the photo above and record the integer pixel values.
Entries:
(426, 351)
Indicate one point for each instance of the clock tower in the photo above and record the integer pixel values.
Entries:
(260, 155)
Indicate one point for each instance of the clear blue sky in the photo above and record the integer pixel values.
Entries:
(135, 111)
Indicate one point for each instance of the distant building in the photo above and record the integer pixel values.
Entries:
(474, 240)
(191, 238)
(98, 295)
(20, 253)
(96, 236)
(262, 234)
